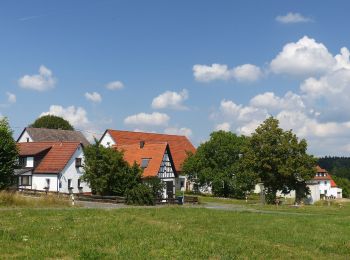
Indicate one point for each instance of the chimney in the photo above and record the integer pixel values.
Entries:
(142, 144)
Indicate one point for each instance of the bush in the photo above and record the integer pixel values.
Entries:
(140, 195)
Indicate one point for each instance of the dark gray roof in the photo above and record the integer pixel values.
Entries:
(54, 135)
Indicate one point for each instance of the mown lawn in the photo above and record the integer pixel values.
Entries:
(173, 232)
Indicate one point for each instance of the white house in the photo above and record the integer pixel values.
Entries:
(179, 146)
(156, 161)
(327, 186)
(51, 166)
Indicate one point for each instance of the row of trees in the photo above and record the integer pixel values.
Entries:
(231, 165)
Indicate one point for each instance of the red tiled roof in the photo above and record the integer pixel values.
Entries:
(327, 176)
(57, 157)
(153, 151)
(27, 149)
(178, 145)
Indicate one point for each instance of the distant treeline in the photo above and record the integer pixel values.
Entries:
(339, 168)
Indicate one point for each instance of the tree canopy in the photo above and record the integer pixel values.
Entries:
(279, 159)
(8, 155)
(52, 122)
(216, 164)
(107, 172)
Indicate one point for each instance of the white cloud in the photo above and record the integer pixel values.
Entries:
(115, 85)
(144, 119)
(77, 116)
(225, 126)
(178, 131)
(272, 102)
(293, 18)
(40, 82)
(170, 99)
(93, 97)
(247, 72)
(243, 73)
(11, 98)
(303, 58)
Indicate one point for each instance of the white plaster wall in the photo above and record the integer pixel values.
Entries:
(30, 162)
(24, 137)
(165, 195)
(107, 139)
(73, 173)
(39, 181)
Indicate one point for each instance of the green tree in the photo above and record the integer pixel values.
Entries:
(344, 184)
(52, 122)
(107, 172)
(216, 164)
(280, 160)
(8, 155)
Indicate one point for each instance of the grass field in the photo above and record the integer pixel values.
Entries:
(175, 232)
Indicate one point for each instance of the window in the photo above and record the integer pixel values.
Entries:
(70, 184)
(182, 184)
(108, 144)
(145, 162)
(325, 182)
(78, 162)
(79, 184)
(47, 184)
(25, 180)
(325, 191)
(27, 139)
(22, 162)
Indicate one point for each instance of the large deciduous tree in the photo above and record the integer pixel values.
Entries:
(280, 160)
(216, 164)
(107, 172)
(52, 122)
(8, 155)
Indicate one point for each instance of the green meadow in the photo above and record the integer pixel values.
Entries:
(175, 232)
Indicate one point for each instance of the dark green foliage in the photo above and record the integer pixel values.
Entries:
(8, 155)
(107, 172)
(217, 164)
(343, 183)
(280, 160)
(141, 194)
(157, 186)
(337, 166)
(52, 122)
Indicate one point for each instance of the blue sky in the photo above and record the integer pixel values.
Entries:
(185, 67)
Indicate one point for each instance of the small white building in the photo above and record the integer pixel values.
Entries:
(51, 166)
(327, 186)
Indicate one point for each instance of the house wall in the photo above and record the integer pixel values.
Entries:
(107, 140)
(73, 173)
(24, 137)
(30, 162)
(39, 181)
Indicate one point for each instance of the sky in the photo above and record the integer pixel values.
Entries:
(180, 67)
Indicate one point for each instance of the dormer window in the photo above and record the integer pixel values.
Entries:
(78, 162)
(145, 162)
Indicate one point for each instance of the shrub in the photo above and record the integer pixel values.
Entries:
(141, 194)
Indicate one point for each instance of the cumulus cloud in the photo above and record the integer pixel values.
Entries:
(225, 126)
(115, 85)
(77, 116)
(171, 99)
(144, 119)
(93, 97)
(293, 18)
(178, 131)
(39, 82)
(243, 73)
(303, 58)
(11, 98)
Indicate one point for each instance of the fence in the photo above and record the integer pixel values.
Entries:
(103, 199)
